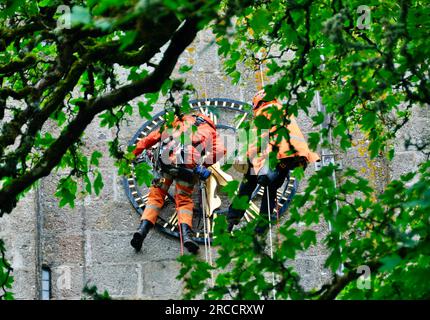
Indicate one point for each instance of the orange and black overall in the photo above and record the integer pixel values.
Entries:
(289, 153)
(207, 138)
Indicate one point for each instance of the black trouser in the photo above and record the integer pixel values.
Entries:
(249, 183)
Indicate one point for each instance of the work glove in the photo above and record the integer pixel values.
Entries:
(202, 172)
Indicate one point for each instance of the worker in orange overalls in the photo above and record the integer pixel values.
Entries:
(186, 148)
(290, 153)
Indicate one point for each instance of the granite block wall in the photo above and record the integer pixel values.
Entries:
(90, 243)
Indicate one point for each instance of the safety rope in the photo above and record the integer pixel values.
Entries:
(204, 223)
(181, 240)
(261, 56)
(208, 250)
(261, 75)
(270, 239)
(278, 225)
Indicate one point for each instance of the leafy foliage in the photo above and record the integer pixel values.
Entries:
(57, 70)
(6, 279)
(57, 75)
(92, 292)
(56, 80)
(369, 79)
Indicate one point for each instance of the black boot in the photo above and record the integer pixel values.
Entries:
(191, 245)
(140, 234)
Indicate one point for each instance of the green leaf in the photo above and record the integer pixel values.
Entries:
(128, 109)
(261, 122)
(95, 156)
(66, 191)
(333, 261)
(87, 184)
(104, 5)
(108, 119)
(313, 140)
(172, 4)
(60, 117)
(143, 174)
(308, 237)
(167, 85)
(240, 203)
(389, 262)
(231, 188)
(80, 15)
(137, 74)
(98, 183)
(11, 7)
(368, 120)
(259, 20)
(9, 295)
(128, 39)
(374, 148)
(235, 75)
(318, 119)
(298, 173)
(144, 110)
(45, 3)
(185, 69)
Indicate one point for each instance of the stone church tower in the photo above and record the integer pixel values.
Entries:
(56, 251)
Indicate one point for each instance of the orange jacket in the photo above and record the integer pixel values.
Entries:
(204, 138)
(297, 141)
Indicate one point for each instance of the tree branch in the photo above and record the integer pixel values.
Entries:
(339, 283)
(152, 83)
(17, 65)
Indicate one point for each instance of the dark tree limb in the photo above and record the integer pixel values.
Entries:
(87, 111)
(331, 291)
(17, 65)
(9, 35)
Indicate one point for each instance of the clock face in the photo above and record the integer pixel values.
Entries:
(209, 201)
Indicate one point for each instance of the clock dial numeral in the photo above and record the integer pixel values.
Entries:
(252, 211)
(211, 115)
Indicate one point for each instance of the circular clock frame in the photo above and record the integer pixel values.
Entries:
(166, 223)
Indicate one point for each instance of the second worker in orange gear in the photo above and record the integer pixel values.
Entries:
(287, 153)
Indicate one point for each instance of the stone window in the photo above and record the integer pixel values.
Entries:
(46, 283)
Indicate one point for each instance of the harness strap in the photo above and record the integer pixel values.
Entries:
(200, 119)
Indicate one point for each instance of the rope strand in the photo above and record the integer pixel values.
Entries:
(270, 239)
(261, 75)
(208, 253)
